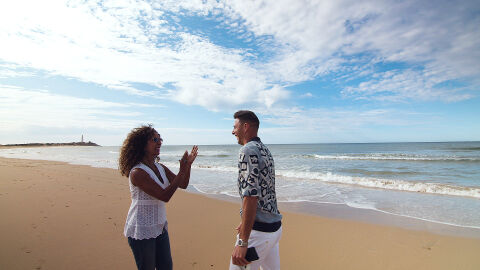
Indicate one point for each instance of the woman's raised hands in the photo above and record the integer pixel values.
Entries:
(188, 159)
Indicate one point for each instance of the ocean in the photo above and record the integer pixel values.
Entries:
(437, 182)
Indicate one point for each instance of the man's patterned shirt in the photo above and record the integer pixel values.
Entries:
(256, 177)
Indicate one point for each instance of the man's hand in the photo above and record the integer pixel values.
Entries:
(238, 256)
(249, 207)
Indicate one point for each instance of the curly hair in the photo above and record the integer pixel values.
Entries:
(133, 148)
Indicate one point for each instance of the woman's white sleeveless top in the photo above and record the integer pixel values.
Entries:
(147, 216)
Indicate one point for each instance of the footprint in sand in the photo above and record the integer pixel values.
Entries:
(428, 245)
(26, 250)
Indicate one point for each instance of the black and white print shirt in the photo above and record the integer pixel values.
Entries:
(256, 177)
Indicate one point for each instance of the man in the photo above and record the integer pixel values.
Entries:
(261, 221)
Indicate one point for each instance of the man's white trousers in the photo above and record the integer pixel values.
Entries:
(267, 246)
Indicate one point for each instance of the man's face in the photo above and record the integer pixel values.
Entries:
(238, 131)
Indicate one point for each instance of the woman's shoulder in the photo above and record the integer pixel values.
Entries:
(138, 166)
(137, 174)
(138, 170)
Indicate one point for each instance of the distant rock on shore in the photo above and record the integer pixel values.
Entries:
(52, 144)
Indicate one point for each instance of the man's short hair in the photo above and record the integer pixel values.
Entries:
(247, 116)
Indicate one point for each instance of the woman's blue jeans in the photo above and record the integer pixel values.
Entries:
(153, 252)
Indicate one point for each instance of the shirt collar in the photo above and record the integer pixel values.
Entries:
(257, 139)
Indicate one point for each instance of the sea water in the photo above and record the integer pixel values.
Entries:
(438, 182)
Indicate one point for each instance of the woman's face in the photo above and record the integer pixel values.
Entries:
(153, 145)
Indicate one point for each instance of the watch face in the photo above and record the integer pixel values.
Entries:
(241, 243)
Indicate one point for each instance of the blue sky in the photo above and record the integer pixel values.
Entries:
(314, 71)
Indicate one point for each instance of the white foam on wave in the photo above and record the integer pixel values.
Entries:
(429, 220)
(213, 153)
(399, 157)
(217, 168)
(400, 185)
(361, 205)
(369, 182)
(205, 153)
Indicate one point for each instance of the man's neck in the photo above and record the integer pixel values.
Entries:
(249, 138)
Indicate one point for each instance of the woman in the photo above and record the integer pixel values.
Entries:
(151, 185)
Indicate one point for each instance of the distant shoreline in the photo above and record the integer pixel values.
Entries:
(47, 144)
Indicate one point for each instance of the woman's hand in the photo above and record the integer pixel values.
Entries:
(188, 159)
(184, 162)
(186, 165)
(193, 155)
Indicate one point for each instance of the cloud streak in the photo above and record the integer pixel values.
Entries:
(21, 108)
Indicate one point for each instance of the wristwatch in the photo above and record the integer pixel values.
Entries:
(241, 243)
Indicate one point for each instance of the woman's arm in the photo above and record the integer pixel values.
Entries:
(141, 179)
(186, 179)
(170, 175)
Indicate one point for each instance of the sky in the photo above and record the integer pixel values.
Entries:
(335, 71)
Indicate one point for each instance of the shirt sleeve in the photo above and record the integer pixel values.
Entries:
(248, 178)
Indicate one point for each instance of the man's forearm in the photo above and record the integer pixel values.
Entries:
(249, 211)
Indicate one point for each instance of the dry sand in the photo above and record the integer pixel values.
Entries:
(60, 216)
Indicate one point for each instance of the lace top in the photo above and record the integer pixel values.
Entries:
(147, 216)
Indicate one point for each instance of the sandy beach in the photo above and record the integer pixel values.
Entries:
(61, 216)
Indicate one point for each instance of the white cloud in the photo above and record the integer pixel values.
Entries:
(117, 43)
(400, 85)
(12, 71)
(307, 95)
(271, 95)
(21, 108)
(318, 37)
(294, 125)
(334, 119)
